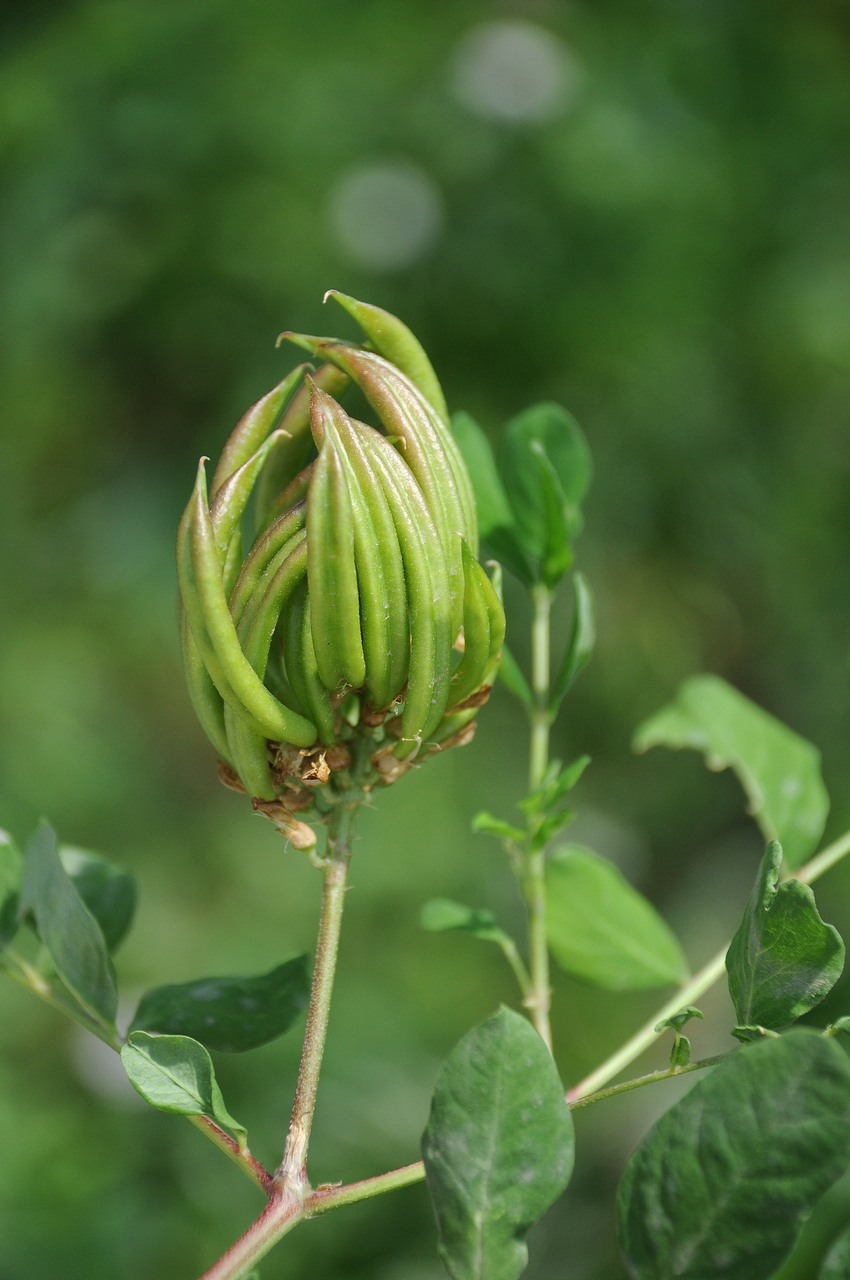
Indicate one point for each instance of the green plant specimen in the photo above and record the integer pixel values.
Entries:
(338, 630)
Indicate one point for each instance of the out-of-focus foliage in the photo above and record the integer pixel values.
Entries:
(634, 208)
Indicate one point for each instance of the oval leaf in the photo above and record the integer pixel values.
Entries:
(229, 1014)
(175, 1073)
(67, 928)
(722, 1183)
(108, 891)
(498, 1148)
(604, 931)
(556, 430)
(783, 960)
(779, 770)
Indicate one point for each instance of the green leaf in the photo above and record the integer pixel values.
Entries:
(557, 431)
(550, 827)
(108, 891)
(836, 1264)
(779, 770)
(604, 931)
(229, 1014)
(441, 914)
(581, 642)
(498, 1148)
(67, 928)
(722, 1183)
(513, 679)
(494, 511)
(783, 960)
(11, 864)
(175, 1073)
(495, 519)
(557, 552)
(680, 1019)
(680, 1054)
(554, 788)
(496, 827)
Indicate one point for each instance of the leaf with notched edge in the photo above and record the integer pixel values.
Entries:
(783, 960)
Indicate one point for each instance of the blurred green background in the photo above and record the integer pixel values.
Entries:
(636, 207)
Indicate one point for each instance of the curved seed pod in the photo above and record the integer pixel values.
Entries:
(476, 632)
(301, 669)
(205, 698)
(423, 438)
(289, 456)
(293, 493)
(428, 596)
(380, 571)
(196, 629)
(332, 574)
(276, 720)
(252, 429)
(259, 619)
(229, 505)
(263, 554)
(395, 342)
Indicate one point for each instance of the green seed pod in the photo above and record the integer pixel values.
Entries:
(394, 341)
(291, 452)
(320, 657)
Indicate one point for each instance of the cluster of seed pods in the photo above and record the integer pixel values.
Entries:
(360, 609)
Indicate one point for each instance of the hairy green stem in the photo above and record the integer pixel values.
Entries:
(243, 1158)
(292, 1172)
(666, 1073)
(698, 985)
(538, 997)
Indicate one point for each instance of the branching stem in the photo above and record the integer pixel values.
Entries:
(538, 998)
(698, 985)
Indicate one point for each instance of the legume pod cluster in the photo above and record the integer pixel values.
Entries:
(359, 626)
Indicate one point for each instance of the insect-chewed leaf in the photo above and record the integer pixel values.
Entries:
(108, 891)
(566, 449)
(783, 960)
(67, 928)
(604, 931)
(11, 865)
(779, 770)
(498, 1148)
(229, 1014)
(175, 1073)
(722, 1183)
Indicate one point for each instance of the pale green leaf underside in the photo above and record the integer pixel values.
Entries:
(779, 770)
(602, 930)
(498, 1148)
(175, 1073)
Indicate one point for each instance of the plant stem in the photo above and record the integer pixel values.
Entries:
(283, 1211)
(540, 717)
(246, 1162)
(666, 1074)
(325, 1198)
(515, 960)
(697, 986)
(292, 1172)
(538, 996)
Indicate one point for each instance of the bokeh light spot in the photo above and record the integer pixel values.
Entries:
(515, 72)
(386, 216)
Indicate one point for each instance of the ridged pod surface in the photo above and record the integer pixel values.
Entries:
(331, 643)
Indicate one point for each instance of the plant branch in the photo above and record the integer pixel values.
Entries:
(246, 1162)
(332, 1197)
(666, 1074)
(292, 1172)
(698, 985)
(538, 997)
